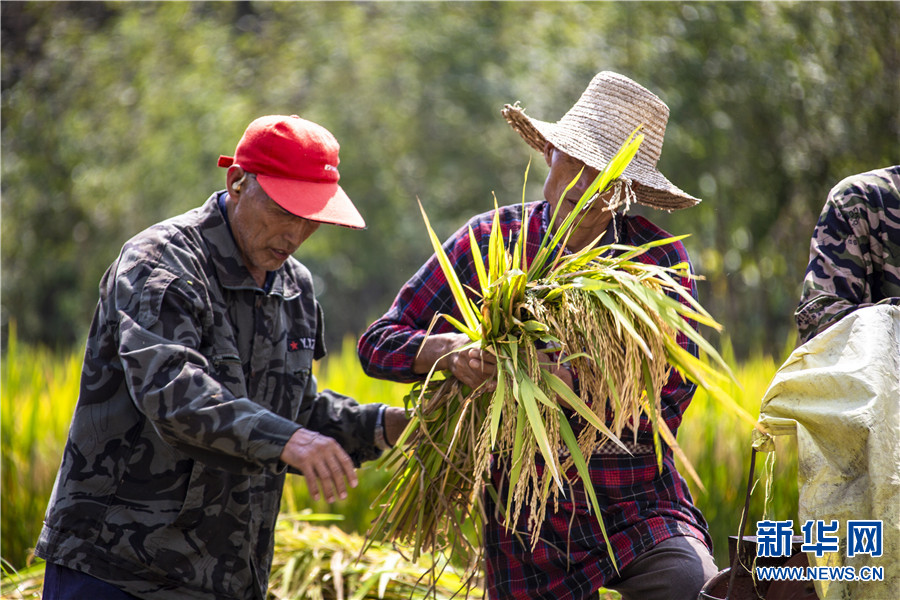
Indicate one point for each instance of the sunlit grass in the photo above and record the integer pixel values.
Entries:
(717, 443)
(318, 562)
(37, 398)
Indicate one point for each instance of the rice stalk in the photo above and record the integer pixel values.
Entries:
(325, 563)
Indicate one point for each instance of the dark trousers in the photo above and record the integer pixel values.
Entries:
(674, 569)
(63, 583)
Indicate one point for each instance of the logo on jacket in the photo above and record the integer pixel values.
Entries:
(301, 344)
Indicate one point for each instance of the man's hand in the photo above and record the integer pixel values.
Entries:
(322, 461)
(472, 367)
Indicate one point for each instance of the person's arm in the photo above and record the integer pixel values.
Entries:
(395, 421)
(396, 346)
(326, 464)
(842, 267)
(352, 424)
(160, 318)
(338, 434)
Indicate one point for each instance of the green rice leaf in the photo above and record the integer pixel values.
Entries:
(527, 400)
(470, 319)
(578, 405)
(496, 252)
(479, 261)
(623, 320)
(670, 440)
(653, 414)
(537, 393)
(666, 304)
(515, 471)
(551, 240)
(498, 400)
(629, 253)
(513, 343)
(617, 164)
(565, 430)
(703, 375)
(699, 314)
(636, 309)
(523, 233)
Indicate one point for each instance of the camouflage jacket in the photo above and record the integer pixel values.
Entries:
(854, 258)
(194, 379)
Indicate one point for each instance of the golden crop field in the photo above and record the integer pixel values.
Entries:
(38, 393)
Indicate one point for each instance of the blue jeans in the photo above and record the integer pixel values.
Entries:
(63, 583)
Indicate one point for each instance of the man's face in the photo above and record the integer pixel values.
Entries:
(564, 169)
(265, 233)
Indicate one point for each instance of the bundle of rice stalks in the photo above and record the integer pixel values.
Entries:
(599, 312)
(325, 563)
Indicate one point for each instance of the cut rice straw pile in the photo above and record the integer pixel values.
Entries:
(325, 563)
(317, 562)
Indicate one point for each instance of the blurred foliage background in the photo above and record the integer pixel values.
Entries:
(113, 115)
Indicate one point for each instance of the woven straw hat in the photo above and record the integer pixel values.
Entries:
(598, 124)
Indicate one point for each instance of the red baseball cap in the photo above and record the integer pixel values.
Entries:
(295, 161)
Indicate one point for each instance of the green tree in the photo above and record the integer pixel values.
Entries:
(113, 115)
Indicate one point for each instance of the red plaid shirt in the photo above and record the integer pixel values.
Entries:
(641, 506)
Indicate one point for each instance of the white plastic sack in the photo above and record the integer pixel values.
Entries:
(840, 395)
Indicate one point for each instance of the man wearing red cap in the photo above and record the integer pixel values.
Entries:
(197, 393)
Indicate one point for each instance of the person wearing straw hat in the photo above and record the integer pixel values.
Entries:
(660, 539)
(196, 390)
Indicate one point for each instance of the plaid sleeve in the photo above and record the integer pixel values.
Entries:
(388, 347)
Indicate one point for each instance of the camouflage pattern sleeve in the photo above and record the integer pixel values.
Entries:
(342, 418)
(854, 253)
(171, 380)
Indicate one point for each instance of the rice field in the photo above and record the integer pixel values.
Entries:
(37, 397)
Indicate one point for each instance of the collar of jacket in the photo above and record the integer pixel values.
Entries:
(229, 263)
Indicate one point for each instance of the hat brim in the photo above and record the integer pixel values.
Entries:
(324, 202)
(653, 188)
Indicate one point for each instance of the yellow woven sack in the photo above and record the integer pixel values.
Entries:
(839, 394)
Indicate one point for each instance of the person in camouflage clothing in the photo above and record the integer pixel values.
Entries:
(197, 394)
(854, 257)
